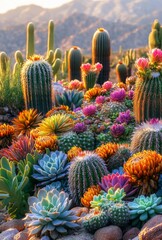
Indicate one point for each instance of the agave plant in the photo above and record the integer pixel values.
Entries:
(50, 214)
(56, 124)
(19, 149)
(51, 167)
(144, 208)
(26, 121)
(71, 98)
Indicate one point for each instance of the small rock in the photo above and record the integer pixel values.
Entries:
(131, 233)
(15, 223)
(8, 234)
(24, 235)
(152, 229)
(136, 238)
(81, 234)
(34, 238)
(108, 233)
(80, 211)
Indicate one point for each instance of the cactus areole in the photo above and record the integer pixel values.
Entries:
(101, 53)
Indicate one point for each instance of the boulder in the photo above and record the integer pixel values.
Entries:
(108, 233)
(15, 223)
(131, 233)
(8, 234)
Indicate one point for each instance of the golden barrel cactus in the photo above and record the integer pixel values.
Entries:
(107, 150)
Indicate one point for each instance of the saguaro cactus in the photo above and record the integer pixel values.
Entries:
(155, 36)
(75, 59)
(36, 77)
(101, 53)
(3, 62)
(30, 47)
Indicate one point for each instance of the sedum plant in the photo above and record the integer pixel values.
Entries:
(51, 167)
(50, 214)
(144, 208)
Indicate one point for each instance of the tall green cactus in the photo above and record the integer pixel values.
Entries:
(30, 44)
(3, 63)
(148, 98)
(75, 59)
(85, 171)
(155, 36)
(129, 60)
(50, 40)
(36, 77)
(121, 72)
(101, 53)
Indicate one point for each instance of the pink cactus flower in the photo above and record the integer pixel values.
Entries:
(154, 121)
(100, 99)
(107, 85)
(86, 67)
(142, 63)
(98, 66)
(75, 84)
(130, 94)
(118, 95)
(89, 110)
(156, 55)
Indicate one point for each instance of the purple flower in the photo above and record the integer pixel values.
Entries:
(100, 99)
(154, 121)
(79, 127)
(130, 94)
(124, 117)
(89, 110)
(117, 130)
(118, 95)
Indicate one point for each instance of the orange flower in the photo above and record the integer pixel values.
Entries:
(92, 93)
(107, 150)
(54, 110)
(6, 130)
(50, 142)
(89, 194)
(73, 152)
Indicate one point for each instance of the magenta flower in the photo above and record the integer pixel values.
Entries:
(80, 127)
(107, 85)
(98, 66)
(142, 63)
(100, 99)
(89, 110)
(154, 121)
(124, 117)
(156, 55)
(130, 94)
(86, 67)
(117, 130)
(118, 95)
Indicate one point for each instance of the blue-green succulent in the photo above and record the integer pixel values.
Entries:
(144, 208)
(50, 214)
(51, 168)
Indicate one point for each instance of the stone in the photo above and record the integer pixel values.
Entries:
(152, 229)
(15, 223)
(8, 234)
(24, 235)
(108, 233)
(81, 234)
(131, 233)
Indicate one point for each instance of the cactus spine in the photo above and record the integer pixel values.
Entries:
(36, 77)
(121, 72)
(155, 36)
(75, 59)
(147, 102)
(3, 62)
(30, 47)
(101, 53)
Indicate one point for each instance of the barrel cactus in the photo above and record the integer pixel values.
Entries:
(68, 140)
(50, 214)
(101, 53)
(36, 78)
(75, 59)
(86, 170)
(121, 72)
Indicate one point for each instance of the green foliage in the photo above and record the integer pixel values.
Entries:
(96, 221)
(85, 171)
(143, 208)
(71, 98)
(101, 53)
(50, 214)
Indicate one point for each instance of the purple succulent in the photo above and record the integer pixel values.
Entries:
(118, 181)
(118, 95)
(100, 99)
(124, 117)
(130, 94)
(89, 110)
(117, 130)
(80, 127)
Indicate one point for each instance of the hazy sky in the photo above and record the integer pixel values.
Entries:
(6, 5)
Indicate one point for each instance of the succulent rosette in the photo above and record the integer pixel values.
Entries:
(118, 95)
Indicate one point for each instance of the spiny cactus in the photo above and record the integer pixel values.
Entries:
(36, 77)
(75, 59)
(129, 59)
(121, 72)
(155, 36)
(87, 140)
(68, 140)
(30, 44)
(3, 63)
(86, 170)
(101, 53)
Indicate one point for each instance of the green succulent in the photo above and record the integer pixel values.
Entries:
(94, 221)
(14, 190)
(51, 167)
(144, 208)
(71, 98)
(50, 214)
(105, 199)
(67, 141)
(112, 109)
